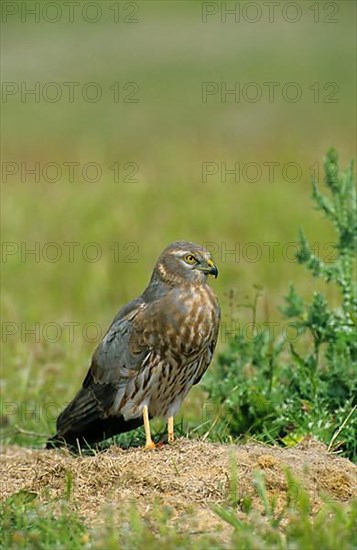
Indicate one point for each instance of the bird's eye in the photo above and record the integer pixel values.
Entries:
(189, 259)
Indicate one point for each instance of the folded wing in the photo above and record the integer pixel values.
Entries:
(91, 416)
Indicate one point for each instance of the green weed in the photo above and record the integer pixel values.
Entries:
(278, 390)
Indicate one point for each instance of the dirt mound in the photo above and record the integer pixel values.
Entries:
(186, 475)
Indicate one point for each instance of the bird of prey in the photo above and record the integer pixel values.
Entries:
(158, 346)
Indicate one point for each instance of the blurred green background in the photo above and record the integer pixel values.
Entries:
(166, 130)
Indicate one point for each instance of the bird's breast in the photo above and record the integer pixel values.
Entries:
(185, 322)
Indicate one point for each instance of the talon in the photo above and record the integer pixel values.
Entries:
(149, 446)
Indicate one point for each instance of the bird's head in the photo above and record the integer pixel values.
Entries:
(185, 262)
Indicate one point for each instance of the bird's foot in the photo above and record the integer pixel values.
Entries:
(149, 445)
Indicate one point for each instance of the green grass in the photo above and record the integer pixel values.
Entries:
(27, 524)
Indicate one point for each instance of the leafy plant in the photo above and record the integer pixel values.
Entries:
(277, 390)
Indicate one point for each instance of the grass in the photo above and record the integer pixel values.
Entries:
(26, 523)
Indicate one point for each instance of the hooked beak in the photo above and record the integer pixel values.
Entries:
(210, 269)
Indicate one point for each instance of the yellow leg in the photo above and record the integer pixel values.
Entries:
(170, 429)
(149, 442)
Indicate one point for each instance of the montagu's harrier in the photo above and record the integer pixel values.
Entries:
(158, 346)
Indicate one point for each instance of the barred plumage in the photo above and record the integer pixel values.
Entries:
(158, 346)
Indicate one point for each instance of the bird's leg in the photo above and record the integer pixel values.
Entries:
(170, 429)
(149, 442)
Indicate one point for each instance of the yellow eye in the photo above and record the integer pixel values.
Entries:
(190, 259)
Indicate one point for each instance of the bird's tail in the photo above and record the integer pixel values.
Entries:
(86, 420)
(98, 430)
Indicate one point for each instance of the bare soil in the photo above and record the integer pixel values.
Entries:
(188, 477)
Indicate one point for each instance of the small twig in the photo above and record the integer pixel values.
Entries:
(28, 432)
(335, 435)
(79, 447)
